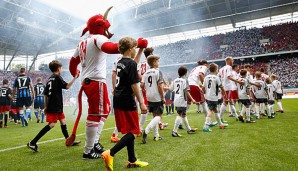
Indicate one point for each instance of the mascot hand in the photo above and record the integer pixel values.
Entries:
(142, 43)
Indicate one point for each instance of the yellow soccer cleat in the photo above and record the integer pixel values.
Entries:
(108, 159)
(136, 164)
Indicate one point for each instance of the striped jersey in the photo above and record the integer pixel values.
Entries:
(22, 83)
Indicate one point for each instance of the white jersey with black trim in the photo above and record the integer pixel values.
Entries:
(179, 86)
(212, 84)
(194, 78)
(235, 76)
(264, 76)
(242, 93)
(93, 60)
(277, 85)
(259, 92)
(271, 89)
(151, 79)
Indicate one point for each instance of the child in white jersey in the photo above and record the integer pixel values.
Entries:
(271, 91)
(181, 88)
(261, 94)
(210, 86)
(278, 92)
(152, 82)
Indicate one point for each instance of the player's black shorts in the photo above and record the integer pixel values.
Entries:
(24, 101)
(220, 101)
(38, 104)
(212, 105)
(181, 110)
(271, 102)
(278, 96)
(245, 101)
(261, 100)
(155, 107)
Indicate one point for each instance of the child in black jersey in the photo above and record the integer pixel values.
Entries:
(54, 103)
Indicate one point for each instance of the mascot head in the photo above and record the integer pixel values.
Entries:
(99, 24)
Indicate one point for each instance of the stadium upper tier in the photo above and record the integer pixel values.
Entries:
(243, 42)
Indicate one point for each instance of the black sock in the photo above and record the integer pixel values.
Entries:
(131, 152)
(40, 134)
(5, 119)
(124, 141)
(167, 108)
(172, 106)
(64, 131)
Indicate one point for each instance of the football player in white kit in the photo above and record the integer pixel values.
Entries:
(249, 77)
(263, 78)
(181, 88)
(152, 83)
(228, 79)
(271, 91)
(243, 93)
(278, 92)
(196, 79)
(261, 94)
(211, 87)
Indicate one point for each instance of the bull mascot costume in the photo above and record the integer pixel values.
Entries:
(91, 53)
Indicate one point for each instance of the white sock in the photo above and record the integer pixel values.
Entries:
(243, 110)
(185, 121)
(234, 110)
(177, 123)
(247, 111)
(217, 116)
(252, 106)
(262, 108)
(115, 133)
(142, 120)
(152, 124)
(257, 111)
(99, 130)
(208, 121)
(272, 108)
(279, 105)
(198, 107)
(205, 109)
(268, 110)
(91, 132)
(187, 106)
(155, 130)
(222, 110)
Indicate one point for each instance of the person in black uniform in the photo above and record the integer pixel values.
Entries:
(54, 103)
(22, 86)
(39, 89)
(5, 98)
(125, 107)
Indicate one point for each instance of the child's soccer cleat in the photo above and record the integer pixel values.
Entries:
(271, 117)
(207, 129)
(98, 148)
(144, 137)
(223, 121)
(136, 164)
(76, 143)
(240, 118)
(158, 138)
(108, 160)
(33, 147)
(162, 125)
(180, 126)
(223, 126)
(91, 155)
(191, 131)
(212, 124)
(257, 117)
(175, 134)
(250, 121)
(115, 139)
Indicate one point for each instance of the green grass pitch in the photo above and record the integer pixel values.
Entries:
(265, 145)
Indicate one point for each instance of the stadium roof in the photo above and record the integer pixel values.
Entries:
(34, 27)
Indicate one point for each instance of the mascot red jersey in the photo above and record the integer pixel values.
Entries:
(91, 53)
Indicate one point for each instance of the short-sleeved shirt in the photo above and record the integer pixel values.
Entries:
(39, 89)
(4, 93)
(277, 86)
(242, 93)
(271, 89)
(212, 84)
(127, 75)
(53, 91)
(259, 92)
(193, 77)
(226, 71)
(264, 76)
(22, 83)
(93, 60)
(235, 76)
(143, 67)
(152, 78)
(179, 86)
